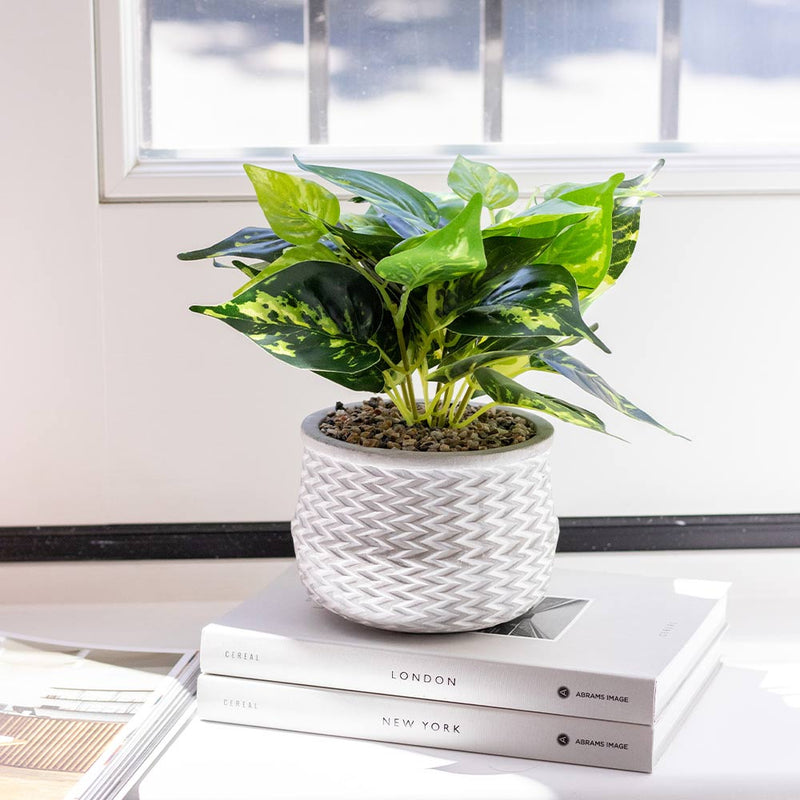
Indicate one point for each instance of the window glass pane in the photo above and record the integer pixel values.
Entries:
(740, 76)
(580, 71)
(224, 75)
(404, 72)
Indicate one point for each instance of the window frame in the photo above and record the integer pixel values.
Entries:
(693, 169)
(241, 540)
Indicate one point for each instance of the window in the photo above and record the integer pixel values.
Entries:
(406, 84)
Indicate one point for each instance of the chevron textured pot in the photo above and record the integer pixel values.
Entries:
(425, 542)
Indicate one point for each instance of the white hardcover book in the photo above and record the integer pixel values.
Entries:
(452, 726)
(613, 647)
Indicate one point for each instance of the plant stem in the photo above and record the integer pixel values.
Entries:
(394, 396)
(430, 405)
(423, 374)
(462, 406)
(441, 412)
(408, 390)
(481, 410)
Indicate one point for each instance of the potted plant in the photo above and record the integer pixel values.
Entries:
(423, 510)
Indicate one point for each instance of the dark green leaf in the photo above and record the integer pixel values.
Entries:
(295, 207)
(510, 393)
(456, 249)
(540, 300)
(373, 247)
(529, 343)
(389, 194)
(542, 221)
(261, 243)
(506, 254)
(590, 381)
(468, 178)
(313, 315)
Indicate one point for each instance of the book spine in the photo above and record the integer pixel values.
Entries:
(241, 653)
(404, 720)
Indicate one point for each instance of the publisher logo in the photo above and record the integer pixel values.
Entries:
(562, 739)
(563, 692)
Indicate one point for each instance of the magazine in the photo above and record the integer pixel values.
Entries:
(82, 721)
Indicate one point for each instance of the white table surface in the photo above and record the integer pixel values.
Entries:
(742, 740)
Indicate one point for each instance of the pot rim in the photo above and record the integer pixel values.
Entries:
(315, 439)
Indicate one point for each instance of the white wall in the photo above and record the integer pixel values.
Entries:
(119, 405)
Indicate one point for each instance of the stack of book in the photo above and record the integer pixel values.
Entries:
(84, 722)
(601, 672)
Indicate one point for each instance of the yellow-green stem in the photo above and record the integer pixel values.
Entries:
(466, 397)
(468, 420)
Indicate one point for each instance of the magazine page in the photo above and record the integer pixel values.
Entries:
(66, 708)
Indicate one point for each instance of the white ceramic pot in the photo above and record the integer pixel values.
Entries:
(425, 542)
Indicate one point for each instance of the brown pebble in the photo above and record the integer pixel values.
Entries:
(377, 423)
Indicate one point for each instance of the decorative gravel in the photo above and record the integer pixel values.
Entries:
(378, 423)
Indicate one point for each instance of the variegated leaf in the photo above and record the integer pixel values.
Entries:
(504, 255)
(389, 194)
(510, 393)
(250, 270)
(468, 178)
(292, 255)
(260, 243)
(625, 220)
(540, 300)
(544, 220)
(456, 249)
(464, 366)
(591, 382)
(313, 315)
(296, 208)
(586, 249)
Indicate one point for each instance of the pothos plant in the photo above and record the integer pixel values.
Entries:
(464, 292)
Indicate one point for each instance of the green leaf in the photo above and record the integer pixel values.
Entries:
(449, 206)
(456, 249)
(468, 178)
(367, 224)
(313, 315)
(465, 366)
(295, 207)
(540, 300)
(510, 393)
(261, 243)
(542, 221)
(591, 382)
(292, 255)
(506, 254)
(585, 250)
(530, 343)
(389, 194)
